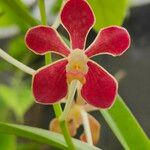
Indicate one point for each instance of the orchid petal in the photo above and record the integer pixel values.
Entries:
(42, 39)
(78, 18)
(112, 40)
(100, 88)
(55, 127)
(49, 83)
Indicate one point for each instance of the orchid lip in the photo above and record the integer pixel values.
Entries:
(76, 75)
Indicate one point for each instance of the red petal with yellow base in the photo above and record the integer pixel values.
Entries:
(42, 39)
(49, 83)
(100, 88)
(78, 18)
(112, 40)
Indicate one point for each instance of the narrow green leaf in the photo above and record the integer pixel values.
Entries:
(125, 127)
(43, 136)
(108, 12)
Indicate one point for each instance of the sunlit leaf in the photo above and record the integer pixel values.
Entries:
(12, 12)
(8, 18)
(43, 136)
(109, 12)
(7, 142)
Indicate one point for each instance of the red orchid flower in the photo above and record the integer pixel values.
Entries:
(50, 83)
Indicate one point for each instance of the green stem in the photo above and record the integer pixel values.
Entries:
(42, 11)
(86, 126)
(19, 74)
(57, 107)
(48, 58)
(57, 22)
(64, 127)
(16, 63)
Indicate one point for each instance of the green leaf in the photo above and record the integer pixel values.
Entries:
(8, 18)
(43, 136)
(125, 127)
(108, 12)
(13, 11)
(7, 142)
(5, 20)
(18, 99)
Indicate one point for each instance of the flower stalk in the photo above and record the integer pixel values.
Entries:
(57, 21)
(69, 101)
(41, 4)
(48, 60)
(87, 128)
(16, 63)
(42, 11)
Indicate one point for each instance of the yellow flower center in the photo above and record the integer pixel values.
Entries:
(77, 66)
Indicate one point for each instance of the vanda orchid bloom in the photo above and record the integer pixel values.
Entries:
(50, 83)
